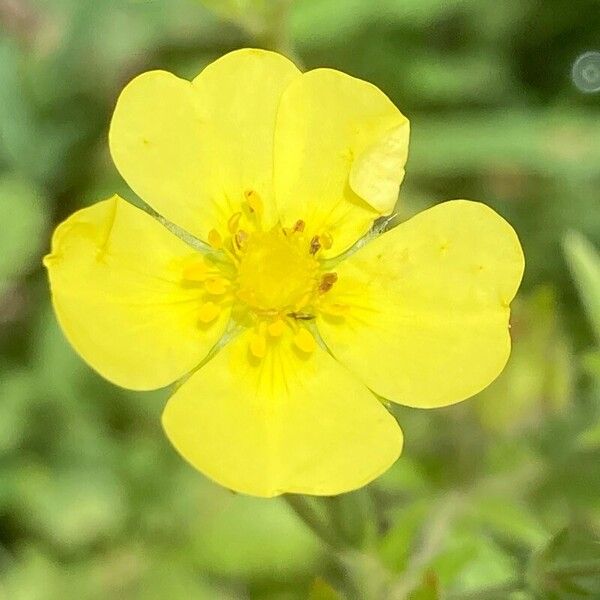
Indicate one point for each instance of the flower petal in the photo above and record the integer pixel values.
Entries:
(115, 275)
(191, 149)
(293, 422)
(340, 150)
(426, 306)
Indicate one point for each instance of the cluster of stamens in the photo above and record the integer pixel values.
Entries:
(273, 280)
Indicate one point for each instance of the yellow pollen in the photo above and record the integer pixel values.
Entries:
(276, 328)
(208, 312)
(215, 239)
(299, 226)
(216, 285)
(305, 341)
(258, 345)
(234, 221)
(326, 240)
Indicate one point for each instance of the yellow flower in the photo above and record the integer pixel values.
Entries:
(279, 172)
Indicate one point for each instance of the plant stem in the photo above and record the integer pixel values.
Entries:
(278, 36)
(307, 513)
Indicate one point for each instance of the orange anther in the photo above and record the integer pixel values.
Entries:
(315, 244)
(327, 282)
(299, 226)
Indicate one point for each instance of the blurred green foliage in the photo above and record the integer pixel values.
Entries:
(496, 498)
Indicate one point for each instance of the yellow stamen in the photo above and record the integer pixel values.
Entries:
(215, 239)
(240, 237)
(216, 285)
(254, 201)
(327, 282)
(208, 312)
(315, 245)
(305, 341)
(326, 240)
(258, 345)
(276, 328)
(234, 221)
(299, 226)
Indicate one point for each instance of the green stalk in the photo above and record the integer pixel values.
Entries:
(306, 511)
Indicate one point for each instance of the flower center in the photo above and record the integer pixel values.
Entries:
(277, 272)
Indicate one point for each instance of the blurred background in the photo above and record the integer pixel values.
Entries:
(498, 497)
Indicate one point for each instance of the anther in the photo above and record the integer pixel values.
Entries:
(305, 341)
(327, 282)
(258, 345)
(208, 312)
(326, 240)
(315, 245)
(234, 221)
(299, 226)
(276, 328)
(215, 239)
(254, 202)
(216, 285)
(240, 238)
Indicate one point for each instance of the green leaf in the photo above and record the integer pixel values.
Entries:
(568, 567)
(446, 146)
(510, 521)
(584, 262)
(396, 546)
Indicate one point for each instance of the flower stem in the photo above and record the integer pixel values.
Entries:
(278, 36)
(307, 512)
